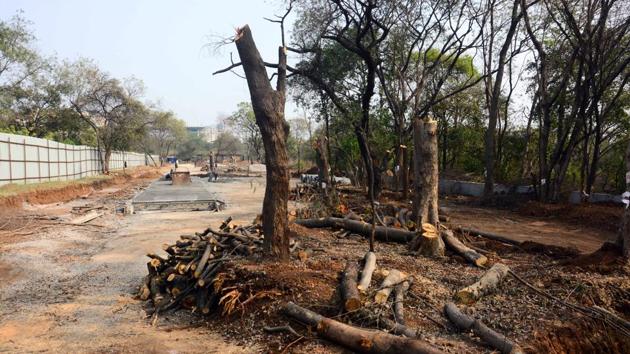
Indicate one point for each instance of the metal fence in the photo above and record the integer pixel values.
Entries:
(25, 159)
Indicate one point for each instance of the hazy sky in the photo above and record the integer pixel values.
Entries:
(162, 42)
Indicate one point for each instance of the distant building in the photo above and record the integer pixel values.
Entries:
(208, 134)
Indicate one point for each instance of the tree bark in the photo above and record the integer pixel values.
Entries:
(349, 291)
(623, 239)
(425, 160)
(485, 285)
(323, 165)
(268, 105)
(358, 339)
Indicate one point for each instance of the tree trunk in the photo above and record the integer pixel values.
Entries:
(106, 158)
(425, 169)
(405, 174)
(323, 165)
(392, 279)
(268, 105)
(623, 240)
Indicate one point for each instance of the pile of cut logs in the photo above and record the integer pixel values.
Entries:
(187, 278)
(361, 305)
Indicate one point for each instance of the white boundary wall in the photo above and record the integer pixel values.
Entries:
(25, 159)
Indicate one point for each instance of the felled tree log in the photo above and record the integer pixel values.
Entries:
(368, 269)
(428, 243)
(399, 297)
(349, 291)
(392, 279)
(489, 235)
(494, 339)
(382, 322)
(382, 233)
(485, 285)
(458, 247)
(357, 339)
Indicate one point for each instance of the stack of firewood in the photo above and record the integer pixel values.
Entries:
(190, 276)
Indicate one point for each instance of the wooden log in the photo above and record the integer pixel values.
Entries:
(488, 335)
(87, 217)
(399, 298)
(145, 292)
(382, 322)
(458, 247)
(349, 292)
(369, 265)
(386, 234)
(489, 235)
(428, 243)
(392, 279)
(485, 285)
(358, 339)
(202, 262)
(159, 297)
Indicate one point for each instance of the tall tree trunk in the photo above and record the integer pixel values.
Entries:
(425, 161)
(106, 158)
(323, 165)
(493, 107)
(268, 105)
(405, 174)
(623, 239)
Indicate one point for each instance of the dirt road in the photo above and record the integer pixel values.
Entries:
(70, 288)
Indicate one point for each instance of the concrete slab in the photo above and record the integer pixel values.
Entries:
(163, 195)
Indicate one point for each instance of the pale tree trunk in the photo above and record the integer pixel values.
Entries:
(106, 158)
(623, 239)
(268, 105)
(425, 169)
(323, 165)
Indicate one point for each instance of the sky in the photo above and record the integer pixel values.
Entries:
(165, 43)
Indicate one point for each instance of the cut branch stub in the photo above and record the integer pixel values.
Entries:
(485, 285)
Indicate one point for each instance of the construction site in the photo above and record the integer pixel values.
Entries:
(403, 177)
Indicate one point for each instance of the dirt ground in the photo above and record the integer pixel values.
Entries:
(70, 288)
(67, 288)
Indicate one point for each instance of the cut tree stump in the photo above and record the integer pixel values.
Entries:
(349, 291)
(358, 339)
(458, 247)
(386, 234)
(494, 339)
(485, 285)
(368, 269)
(392, 279)
(428, 243)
